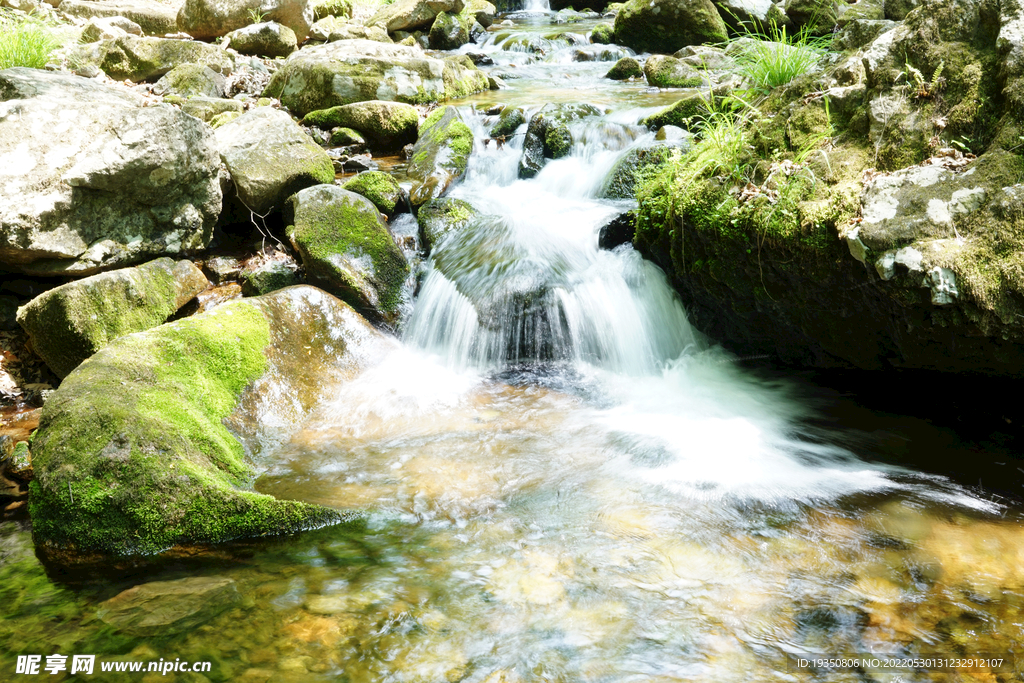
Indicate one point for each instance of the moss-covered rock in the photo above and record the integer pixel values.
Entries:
(266, 39)
(814, 16)
(332, 8)
(603, 34)
(208, 19)
(668, 72)
(386, 125)
(69, 323)
(667, 25)
(447, 32)
(509, 120)
(347, 71)
(439, 218)
(143, 59)
(624, 69)
(343, 137)
(381, 189)
(266, 275)
(151, 16)
(346, 247)
(270, 158)
(409, 15)
(192, 80)
(639, 164)
(682, 114)
(141, 448)
(440, 156)
(207, 108)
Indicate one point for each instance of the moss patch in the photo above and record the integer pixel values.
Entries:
(379, 187)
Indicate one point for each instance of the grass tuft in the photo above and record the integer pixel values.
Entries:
(26, 41)
(776, 58)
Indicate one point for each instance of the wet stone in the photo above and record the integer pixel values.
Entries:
(165, 607)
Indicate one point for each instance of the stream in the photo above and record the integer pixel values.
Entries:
(567, 483)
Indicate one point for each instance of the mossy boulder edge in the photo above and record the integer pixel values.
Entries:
(147, 446)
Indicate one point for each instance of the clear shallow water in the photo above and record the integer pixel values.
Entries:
(566, 483)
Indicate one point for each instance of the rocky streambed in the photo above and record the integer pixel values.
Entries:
(359, 376)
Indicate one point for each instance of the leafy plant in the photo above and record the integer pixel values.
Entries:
(257, 16)
(26, 41)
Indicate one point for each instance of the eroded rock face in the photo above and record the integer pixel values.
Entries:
(347, 249)
(90, 180)
(270, 158)
(208, 19)
(141, 448)
(348, 71)
(69, 323)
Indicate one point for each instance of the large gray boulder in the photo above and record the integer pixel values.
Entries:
(192, 80)
(90, 180)
(69, 323)
(667, 25)
(155, 18)
(270, 158)
(151, 436)
(347, 71)
(409, 15)
(347, 249)
(208, 19)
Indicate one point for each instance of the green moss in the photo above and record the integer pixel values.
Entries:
(132, 455)
(342, 137)
(668, 72)
(333, 8)
(438, 218)
(379, 187)
(683, 113)
(557, 140)
(462, 78)
(510, 120)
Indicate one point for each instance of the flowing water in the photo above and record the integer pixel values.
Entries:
(567, 483)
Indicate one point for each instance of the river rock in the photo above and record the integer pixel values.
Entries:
(269, 273)
(352, 31)
(624, 69)
(332, 8)
(266, 39)
(667, 25)
(441, 217)
(663, 71)
(90, 180)
(153, 18)
(603, 34)
(508, 121)
(548, 135)
(682, 114)
(348, 71)
(815, 16)
(346, 247)
(140, 449)
(162, 608)
(447, 32)
(208, 108)
(192, 80)
(617, 231)
(270, 158)
(621, 182)
(409, 15)
(208, 19)
(380, 188)
(109, 28)
(440, 156)
(144, 59)
(386, 125)
(750, 15)
(482, 11)
(69, 323)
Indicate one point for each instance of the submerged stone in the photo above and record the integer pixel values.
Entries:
(162, 608)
